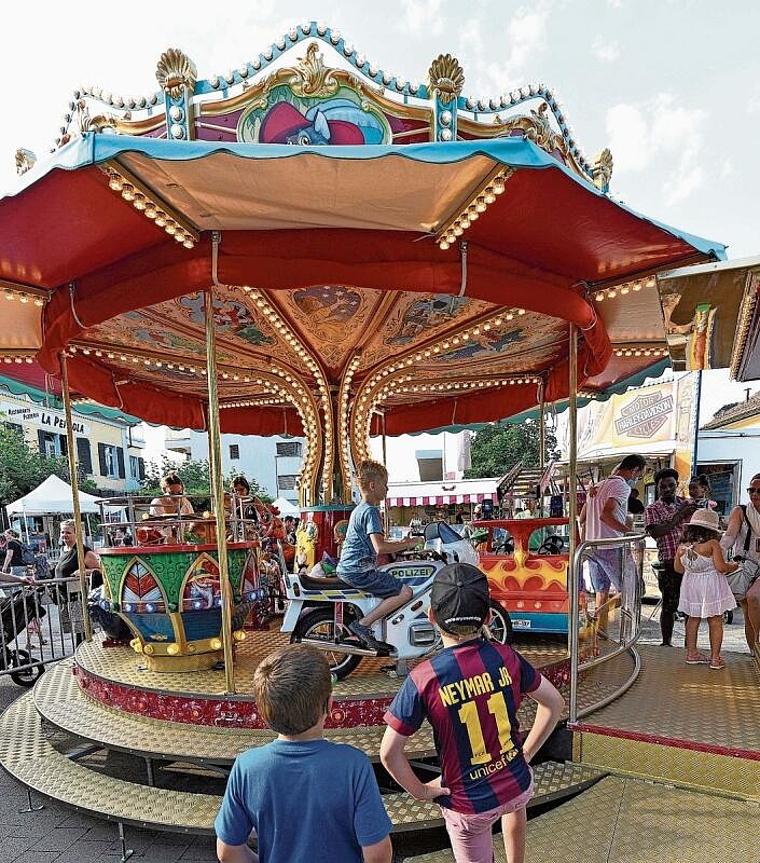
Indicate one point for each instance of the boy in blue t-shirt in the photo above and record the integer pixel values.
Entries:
(470, 693)
(305, 797)
(365, 539)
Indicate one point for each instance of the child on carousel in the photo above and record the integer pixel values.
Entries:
(365, 540)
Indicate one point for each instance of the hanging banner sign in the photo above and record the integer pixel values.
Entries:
(54, 421)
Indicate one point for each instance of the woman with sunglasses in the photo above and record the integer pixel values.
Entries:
(743, 536)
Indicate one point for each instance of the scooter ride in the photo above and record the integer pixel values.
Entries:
(320, 609)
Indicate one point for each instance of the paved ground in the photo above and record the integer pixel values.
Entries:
(58, 835)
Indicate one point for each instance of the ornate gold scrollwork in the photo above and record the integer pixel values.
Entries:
(602, 170)
(176, 70)
(446, 78)
(312, 77)
(537, 128)
(25, 160)
(100, 122)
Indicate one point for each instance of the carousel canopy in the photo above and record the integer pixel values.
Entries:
(361, 280)
(327, 261)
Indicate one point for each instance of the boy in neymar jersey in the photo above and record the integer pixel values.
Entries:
(470, 693)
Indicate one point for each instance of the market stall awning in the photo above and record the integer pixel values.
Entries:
(443, 493)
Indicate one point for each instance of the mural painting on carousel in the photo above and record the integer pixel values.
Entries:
(425, 315)
(288, 118)
(231, 317)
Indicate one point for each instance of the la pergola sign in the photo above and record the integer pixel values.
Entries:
(54, 421)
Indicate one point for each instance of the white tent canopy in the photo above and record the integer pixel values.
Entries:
(286, 507)
(52, 497)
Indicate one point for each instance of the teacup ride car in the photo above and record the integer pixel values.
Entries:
(526, 563)
(167, 590)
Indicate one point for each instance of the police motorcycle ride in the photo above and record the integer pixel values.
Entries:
(320, 609)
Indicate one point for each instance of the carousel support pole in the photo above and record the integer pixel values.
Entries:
(385, 440)
(75, 496)
(572, 574)
(217, 489)
(541, 442)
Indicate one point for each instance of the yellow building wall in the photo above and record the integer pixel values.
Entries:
(33, 418)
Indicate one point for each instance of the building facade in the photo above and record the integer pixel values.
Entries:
(274, 462)
(109, 444)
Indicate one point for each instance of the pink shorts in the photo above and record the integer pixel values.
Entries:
(470, 834)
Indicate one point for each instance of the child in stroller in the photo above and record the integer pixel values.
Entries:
(18, 609)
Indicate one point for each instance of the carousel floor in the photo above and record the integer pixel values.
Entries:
(61, 702)
(687, 725)
(123, 665)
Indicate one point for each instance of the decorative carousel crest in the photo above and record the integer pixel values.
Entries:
(25, 161)
(312, 77)
(175, 71)
(537, 128)
(446, 78)
(602, 170)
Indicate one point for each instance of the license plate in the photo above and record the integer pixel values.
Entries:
(520, 624)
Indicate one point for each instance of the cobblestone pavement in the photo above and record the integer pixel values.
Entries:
(56, 834)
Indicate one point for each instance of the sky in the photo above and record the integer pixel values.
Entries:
(672, 87)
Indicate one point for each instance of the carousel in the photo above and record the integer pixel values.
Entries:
(307, 245)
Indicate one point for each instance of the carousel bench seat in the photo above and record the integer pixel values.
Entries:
(325, 582)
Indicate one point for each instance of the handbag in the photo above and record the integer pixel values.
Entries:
(743, 578)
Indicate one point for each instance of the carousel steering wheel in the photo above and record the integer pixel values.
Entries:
(554, 544)
(505, 547)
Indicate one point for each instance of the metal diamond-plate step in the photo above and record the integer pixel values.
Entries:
(59, 699)
(27, 756)
(553, 781)
(628, 821)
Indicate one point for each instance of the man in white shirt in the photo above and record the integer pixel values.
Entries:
(604, 516)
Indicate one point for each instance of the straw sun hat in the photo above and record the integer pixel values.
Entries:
(706, 518)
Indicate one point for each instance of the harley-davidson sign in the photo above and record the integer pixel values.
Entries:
(645, 415)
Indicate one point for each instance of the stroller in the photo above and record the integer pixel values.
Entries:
(17, 610)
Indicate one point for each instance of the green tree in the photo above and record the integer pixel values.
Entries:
(496, 449)
(195, 475)
(23, 468)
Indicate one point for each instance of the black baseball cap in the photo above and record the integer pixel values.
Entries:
(459, 597)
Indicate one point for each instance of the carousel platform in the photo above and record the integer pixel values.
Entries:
(681, 724)
(623, 820)
(103, 734)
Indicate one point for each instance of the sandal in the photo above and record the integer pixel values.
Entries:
(697, 659)
(717, 666)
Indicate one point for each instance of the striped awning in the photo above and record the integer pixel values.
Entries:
(438, 500)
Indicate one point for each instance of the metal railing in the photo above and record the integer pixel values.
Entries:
(39, 624)
(616, 623)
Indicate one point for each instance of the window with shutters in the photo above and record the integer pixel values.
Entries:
(52, 445)
(287, 482)
(84, 456)
(289, 449)
(234, 451)
(111, 461)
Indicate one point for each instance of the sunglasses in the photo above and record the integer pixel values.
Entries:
(753, 490)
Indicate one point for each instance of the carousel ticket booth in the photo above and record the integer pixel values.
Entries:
(415, 277)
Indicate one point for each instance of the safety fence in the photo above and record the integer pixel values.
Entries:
(609, 572)
(39, 624)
